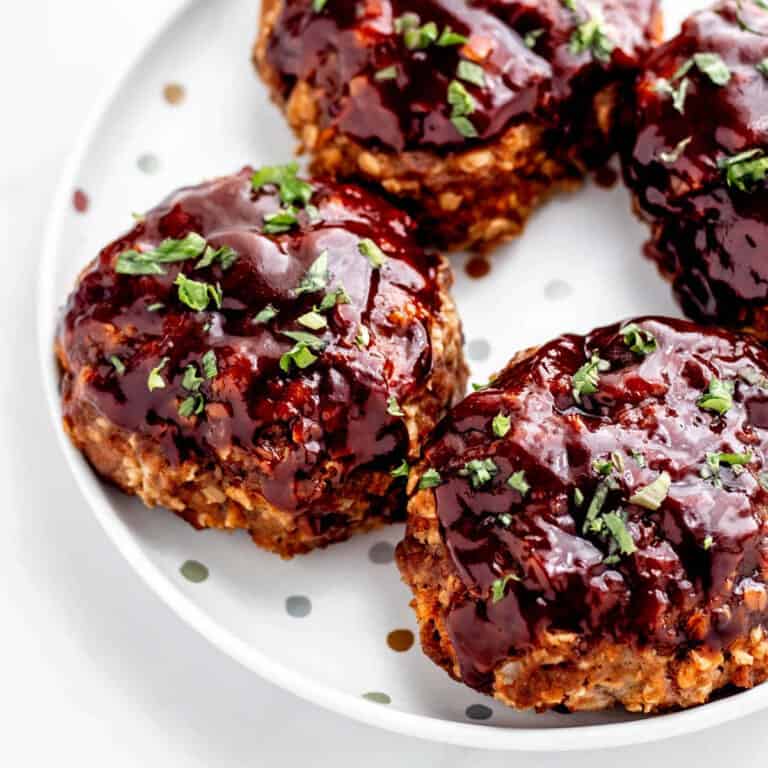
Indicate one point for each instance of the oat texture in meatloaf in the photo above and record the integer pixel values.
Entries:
(468, 113)
(262, 353)
(590, 530)
(696, 162)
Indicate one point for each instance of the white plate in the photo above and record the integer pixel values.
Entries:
(578, 266)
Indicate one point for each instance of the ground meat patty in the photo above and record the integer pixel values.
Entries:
(468, 113)
(591, 529)
(262, 353)
(696, 163)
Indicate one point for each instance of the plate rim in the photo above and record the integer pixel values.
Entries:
(488, 737)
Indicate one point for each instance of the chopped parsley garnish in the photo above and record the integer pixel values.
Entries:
(393, 407)
(639, 459)
(430, 479)
(408, 20)
(318, 5)
(532, 37)
(401, 470)
(372, 252)
(462, 104)
(387, 73)
(718, 398)
(291, 189)
(316, 277)
(313, 320)
(225, 255)
(449, 37)
(639, 341)
(191, 381)
(330, 300)
(479, 387)
(155, 379)
(622, 542)
(192, 405)
(210, 365)
(592, 520)
(672, 157)
(517, 482)
(499, 587)
(470, 72)
(677, 92)
(479, 471)
(196, 294)
(652, 495)
(762, 478)
(155, 307)
(117, 364)
(418, 38)
(281, 220)
(603, 466)
(590, 36)
(745, 170)
(578, 497)
(266, 314)
(302, 353)
(363, 338)
(762, 67)
(133, 262)
(570, 4)
(501, 424)
(736, 461)
(707, 543)
(709, 64)
(587, 378)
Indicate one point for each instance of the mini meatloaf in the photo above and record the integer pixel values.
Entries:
(696, 163)
(468, 113)
(590, 529)
(264, 353)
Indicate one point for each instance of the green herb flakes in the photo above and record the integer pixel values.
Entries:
(133, 262)
(501, 424)
(470, 73)
(117, 364)
(718, 398)
(401, 470)
(499, 587)
(746, 170)
(652, 495)
(316, 277)
(393, 407)
(291, 189)
(517, 482)
(430, 479)
(479, 471)
(587, 378)
(372, 252)
(266, 314)
(155, 379)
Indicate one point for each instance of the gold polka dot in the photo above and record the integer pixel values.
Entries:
(174, 93)
(400, 640)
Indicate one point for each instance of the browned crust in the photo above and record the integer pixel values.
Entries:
(472, 199)
(226, 493)
(566, 669)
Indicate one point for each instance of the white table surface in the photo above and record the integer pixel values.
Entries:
(94, 670)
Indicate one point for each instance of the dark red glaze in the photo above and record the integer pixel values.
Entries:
(675, 589)
(336, 409)
(711, 239)
(339, 51)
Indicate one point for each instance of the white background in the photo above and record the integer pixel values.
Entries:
(94, 670)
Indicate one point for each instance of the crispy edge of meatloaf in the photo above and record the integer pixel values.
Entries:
(226, 493)
(474, 199)
(566, 670)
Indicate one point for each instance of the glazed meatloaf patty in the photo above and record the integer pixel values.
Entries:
(265, 353)
(591, 529)
(696, 162)
(468, 113)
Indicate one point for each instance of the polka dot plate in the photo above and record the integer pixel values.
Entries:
(334, 627)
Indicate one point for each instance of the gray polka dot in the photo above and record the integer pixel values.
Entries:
(193, 571)
(377, 697)
(478, 350)
(478, 712)
(557, 289)
(381, 553)
(148, 163)
(298, 606)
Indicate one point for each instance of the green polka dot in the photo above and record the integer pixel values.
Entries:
(478, 712)
(194, 571)
(377, 697)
